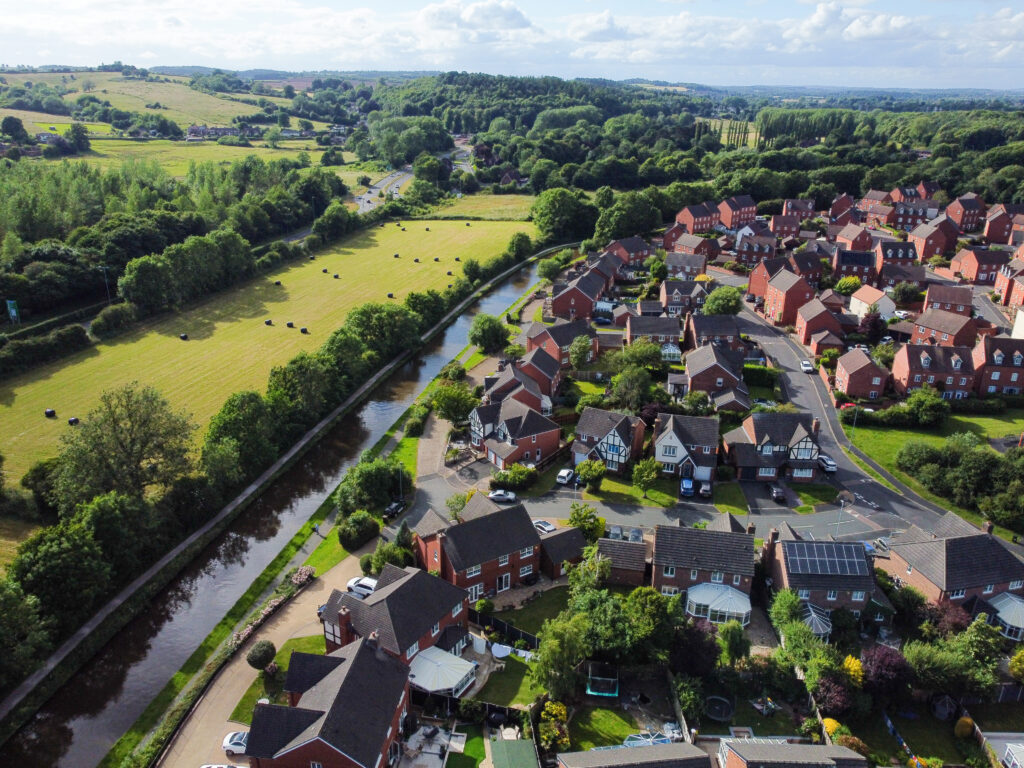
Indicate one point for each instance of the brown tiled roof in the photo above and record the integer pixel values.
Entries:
(943, 321)
(704, 549)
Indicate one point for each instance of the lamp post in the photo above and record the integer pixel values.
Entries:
(106, 283)
(839, 517)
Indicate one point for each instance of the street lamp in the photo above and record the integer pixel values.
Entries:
(839, 517)
(104, 269)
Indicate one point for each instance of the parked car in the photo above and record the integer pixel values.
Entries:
(393, 510)
(749, 298)
(234, 743)
(806, 366)
(827, 463)
(887, 340)
(501, 495)
(361, 586)
(686, 486)
(602, 321)
(705, 490)
(543, 526)
(615, 532)
(776, 492)
(565, 476)
(636, 535)
(902, 314)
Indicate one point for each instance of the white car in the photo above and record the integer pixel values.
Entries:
(806, 367)
(234, 743)
(543, 526)
(565, 476)
(902, 314)
(827, 463)
(501, 495)
(361, 586)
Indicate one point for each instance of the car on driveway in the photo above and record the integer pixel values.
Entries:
(361, 586)
(565, 476)
(393, 510)
(543, 526)
(636, 535)
(501, 495)
(749, 298)
(806, 366)
(686, 486)
(602, 321)
(902, 314)
(776, 492)
(827, 463)
(705, 490)
(234, 743)
(615, 532)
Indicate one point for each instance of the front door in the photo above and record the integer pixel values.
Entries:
(504, 581)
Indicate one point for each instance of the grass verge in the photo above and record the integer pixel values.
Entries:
(728, 497)
(864, 467)
(617, 490)
(327, 554)
(273, 688)
(813, 494)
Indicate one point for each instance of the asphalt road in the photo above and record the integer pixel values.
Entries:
(390, 184)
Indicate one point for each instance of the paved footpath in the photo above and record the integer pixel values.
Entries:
(198, 741)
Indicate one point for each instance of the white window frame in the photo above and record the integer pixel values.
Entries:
(803, 594)
(989, 589)
(525, 570)
(858, 596)
(693, 574)
(717, 577)
(526, 552)
(832, 594)
(1016, 584)
(957, 594)
(436, 629)
(413, 650)
(502, 559)
(473, 570)
(669, 571)
(669, 591)
(456, 610)
(736, 579)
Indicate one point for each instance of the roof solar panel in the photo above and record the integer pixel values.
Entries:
(826, 558)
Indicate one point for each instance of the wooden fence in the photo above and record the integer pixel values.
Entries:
(487, 621)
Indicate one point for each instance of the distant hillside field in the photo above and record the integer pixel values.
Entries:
(39, 122)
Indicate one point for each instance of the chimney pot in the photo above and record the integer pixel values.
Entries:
(751, 528)
(773, 535)
(987, 527)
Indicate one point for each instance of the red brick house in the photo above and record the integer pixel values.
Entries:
(555, 339)
(894, 252)
(607, 265)
(679, 297)
(542, 368)
(665, 331)
(702, 217)
(904, 194)
(612, 438)
(947, 329)
(686, 266)
(910, 213)
(753, 753)
(808, 266)
(835, 302)
(893, 274)
(948, 369)
(711, 369)
(859, 376)
(348, 712)
(874, 197)
(630, 250)
(802, 208)
(786, 293)
(671, 236)
(785, 226)
(705, 246)
(822, 341)
(842, 211)
(577, 298)
(951, 298)
(769, 446)
(734, 212)
(628, 561)
(1007, 275)
(722, 330)
(860, 264)
(813, 317)
(999, 222)
(934, 238)
(561, 546)
(967, 212)
(878, 215)
(514, 383)
(714, 568)
(979, 265)
(999, 362)
(510, 432)
(755, 248)
(854, 237)
(687, 446)
(765, 271)
(928, 189)
(955, 563)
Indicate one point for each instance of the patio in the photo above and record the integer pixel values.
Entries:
(427, 747)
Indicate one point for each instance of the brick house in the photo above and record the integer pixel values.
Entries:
(734, 212)
(755, 248)
(664, 331)
(808, 266)
(908, 214)
(754, 753)
(785, 226)
(842, 210)
(786, 293)
(854, 237)
(514, 384)
(671, 236)
(757, 283)
(834, 302)
(612, 438)
(510, 432)
(932, 239)
(967, 212)
(904, 194)
(860, 264)
(608, 266)
(1006, 279)
(859, 376)
(699, 218)
(866, 297)
(628, 561)
(409, 608)
(951, 298)
(873, 197)
(687, 266)
(687, 446)
(956, 563)
(543, 369)
(769, 446)
(893, 274)
(561, 546)
(894, 252)
(999, 222)
(555, 339)
(947, 329)
(711, 369)
(679, 297)
(813, 317)
(693, 244)
(802, 208)
(723, 330)
(948, 369)
(979, 265)
(632, 251)
(928, 189)
(822, 341)
(999, 363)
(879, 215)
(578, 297)
(348, 712)
(714, 568)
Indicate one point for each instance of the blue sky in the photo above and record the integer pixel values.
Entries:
(913, 43)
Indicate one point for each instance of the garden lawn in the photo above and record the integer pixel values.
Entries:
(812, 494)
(474, 753)
(728, 497)
(779, 724)
(328, 553)
(274, 690)
(926, 736)
(512, 687)
(545, 481)
(761, 393)
(619, 490)
(227, 333)
(998, 717)
(599, 727)
(407, 452)
(581, 388)
(547, 606)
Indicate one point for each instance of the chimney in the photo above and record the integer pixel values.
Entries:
(751, 528)
(987, 527)
(815, 426)
(345, 631)
(373, 641)
(773, 535)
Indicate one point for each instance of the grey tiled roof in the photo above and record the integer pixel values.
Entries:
(942, 321)
(726, 523)
(949, 294)
(707, 355)
(653, 326)
(542, 361)
(691, 430)
(486, 538)
(783, 755)
(596, 423)
(628, 555)
(715, 325)
(681, 755)
(704, 549)
(812, 309)
(563, 544)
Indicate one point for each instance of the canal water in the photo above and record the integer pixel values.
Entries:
(80, 723)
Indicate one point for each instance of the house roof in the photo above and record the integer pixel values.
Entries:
(688, 241)
(847, 258)
(896, 249)
(486, 538)
(1004, 344)
(632, 244)
(941, 360)
(868, 294)
(627, 555)
(855, 360)
(957, 560)
(851, 232)
(430, 523)
(642, 325)
(943, 321)
(903, 273)
(714, 325)
(805, 262)
(521, 420)
(590, 284)
(606, 263)
(970, 202)
(562, 332)
(774, 265)
(812, 309)
(403, 607)
(307, 669)
(692, 288)
(597, 422)
(826, 337)
(785, 219)
(727, 523)
(709, 355)
(949, 294)
(876, 195)
(733, 399)
(542, 361)
(563, 544)
(799, 204)
(350, 709)
(988, 256)
(827, 565)
(690, 430)
(785, 281)
(698, 211)
(779, 754)
(830, 296)
(704, 549)
(679, 755)
(737, 202)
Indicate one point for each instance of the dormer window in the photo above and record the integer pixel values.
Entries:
(766, 450)
(1017, 358)
(925, 360)
(997, 358)
(957, 362)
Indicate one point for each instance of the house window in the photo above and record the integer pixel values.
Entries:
(766, 450)
(472, 571)
(717, 577)
(805, 472)
(766, 471)
(413, 650)
(315, 764)
(476, 591)
(736, 580)
(832, 594)
(995, 375)
(434, 630)
(669, 591)
(526, 570)
(989, 588)
(693, 575)
(957, 594)
(503, 560)
(917, 379)
(876, 381)
(669, 450)
(803, 594)
(707, 449)
(456, 610)
(910, 569)
(858, 596)
(669, 571)
(1017, 584)
(526, 552)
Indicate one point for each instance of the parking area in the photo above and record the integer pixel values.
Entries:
(761, 503)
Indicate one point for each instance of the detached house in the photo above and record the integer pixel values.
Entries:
(859, 376)
(951, 298)
(695, 245)
(894, 252)
(556, 339)
(854, 237)
(714, 568)
(510, 432)
(514, 384)
(736, 211)
(999, 362)
(934, 238)
(785, 294)
(842, 211)
(813, 317)
(686, 266)
(999, 221)
(769, 446)
(687, 446)
(967, 212)
(891, 275)
(979, 265)
(577, 298)
(874, 197)
(664, 331)
(723, 330)
(679, 297)
(785, 226)
(699, 218)
(711, 369)
(860, 264)
(632, 251)
(671, 236)
(948, 369)
(866, 297)
(543, 369)
(947, 329)
(614, 439)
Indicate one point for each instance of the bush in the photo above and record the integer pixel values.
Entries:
(113, 320)
(416, 420)
(964, 728)
(852, 742)
(366, 564)
(831, 725)
(21, 354)
(760, 375)
(472, 710)
(591, 472)
(357, 529)
(484, 606)
(261, 654)
(515, 478)
(1017, 665)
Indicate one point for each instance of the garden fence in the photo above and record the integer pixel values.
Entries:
(488, 621)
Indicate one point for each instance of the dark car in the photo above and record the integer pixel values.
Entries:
(749, 298)
(602, 321)
(393, 510)
(776, 492)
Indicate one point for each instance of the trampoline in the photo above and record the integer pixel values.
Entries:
(602, 680)
(719, 708)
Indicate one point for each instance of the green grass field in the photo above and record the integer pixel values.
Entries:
(512, 687)
(532, 617)
(813, 494)
(227, 333)
(620, 490)
(474, 752)
(328, 553)
(599, 727)
(493, 207)
(273, 689)
(37, 122)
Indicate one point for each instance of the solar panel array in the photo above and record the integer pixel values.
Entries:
(832, 558)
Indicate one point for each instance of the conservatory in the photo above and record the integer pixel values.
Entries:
(718, 603)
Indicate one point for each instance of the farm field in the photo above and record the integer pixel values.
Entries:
(37, 122)
(494, 207)
(227, 333)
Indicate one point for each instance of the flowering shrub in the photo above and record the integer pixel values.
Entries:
(302, 575)
(831, 725)
(238, 638)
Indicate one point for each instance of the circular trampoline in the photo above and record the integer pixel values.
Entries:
(719, 708)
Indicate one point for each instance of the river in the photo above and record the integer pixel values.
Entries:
(80, 723)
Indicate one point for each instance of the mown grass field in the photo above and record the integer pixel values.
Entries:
(230, 349)
(37, 122)
(493, 207)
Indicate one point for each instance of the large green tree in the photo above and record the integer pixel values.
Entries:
(580, 351)
(561, 215)
(489, 333)
(631, 388)
(123, 528)
(562, 648)
(245, 418)
(453, 401)
(724, 300)
(24, 633)
(646, 473)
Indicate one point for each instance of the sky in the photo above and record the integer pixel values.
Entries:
(869, 43)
